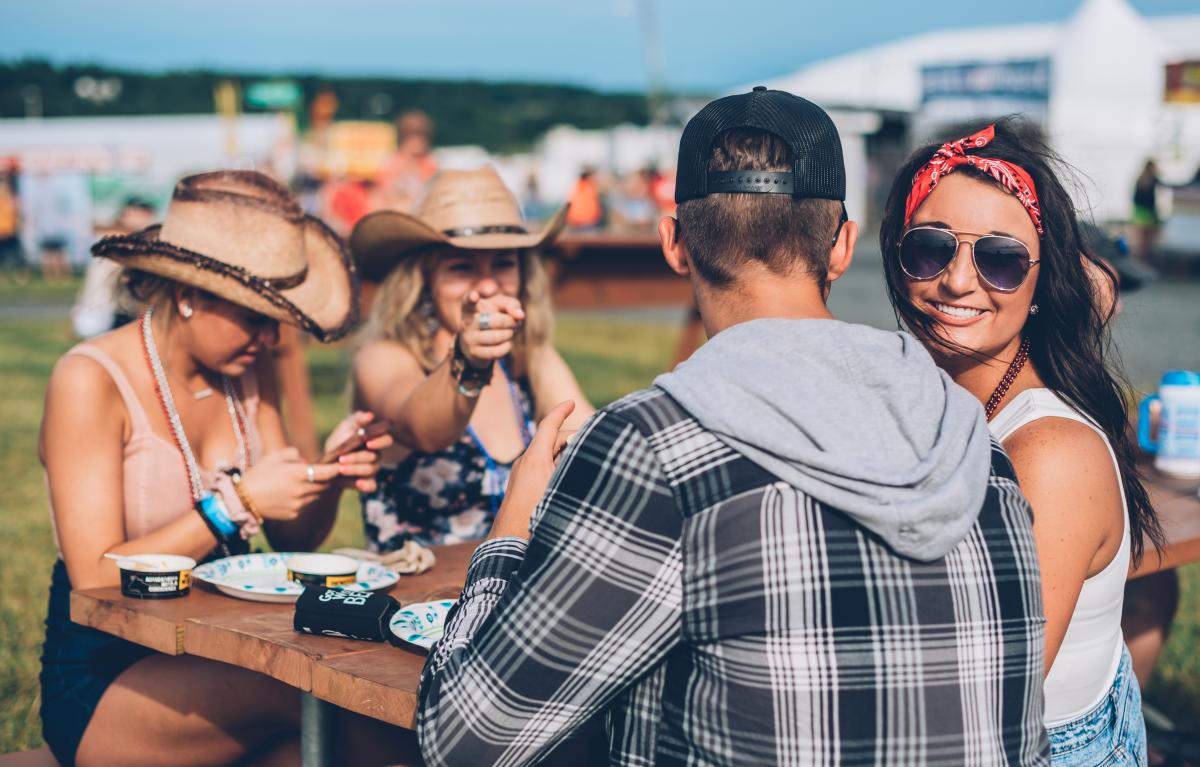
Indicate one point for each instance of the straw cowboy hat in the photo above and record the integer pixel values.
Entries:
(468, 209)
(240, 235)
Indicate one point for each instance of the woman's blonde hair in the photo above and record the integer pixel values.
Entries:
(403, 310)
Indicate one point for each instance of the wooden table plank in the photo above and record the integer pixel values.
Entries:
(443, 581)
(263, 640)
(1178, 508)
(154, 623)
(381, 683)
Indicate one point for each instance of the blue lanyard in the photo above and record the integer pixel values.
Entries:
(496, 492)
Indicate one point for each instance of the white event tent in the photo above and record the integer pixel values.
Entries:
(1100, 96)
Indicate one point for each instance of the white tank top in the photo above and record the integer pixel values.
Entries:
(1093, 642)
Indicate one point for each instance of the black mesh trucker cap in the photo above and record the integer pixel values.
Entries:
(819, 171)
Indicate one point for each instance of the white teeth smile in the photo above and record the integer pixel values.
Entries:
(957, 311)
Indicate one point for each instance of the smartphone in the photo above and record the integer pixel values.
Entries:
(360, 438)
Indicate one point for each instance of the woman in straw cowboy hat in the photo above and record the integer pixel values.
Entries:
(164, 436)
(457, 354)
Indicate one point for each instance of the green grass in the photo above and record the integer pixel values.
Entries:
(610, 358)
(35, 290)
(27, 354)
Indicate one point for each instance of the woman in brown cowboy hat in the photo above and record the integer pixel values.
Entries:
(457, 354)
(164, 436)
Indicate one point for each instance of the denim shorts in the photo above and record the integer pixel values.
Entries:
(78, 665)
(1112, 733)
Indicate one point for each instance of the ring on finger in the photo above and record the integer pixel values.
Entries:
(485, 321)
(310, 473)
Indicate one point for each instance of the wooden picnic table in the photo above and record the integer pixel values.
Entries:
(378, 680)
(1178, 507)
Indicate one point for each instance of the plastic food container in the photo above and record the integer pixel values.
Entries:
(156, 576)
(326, 570)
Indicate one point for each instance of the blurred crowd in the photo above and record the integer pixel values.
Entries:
(343, 195)
(342, 171)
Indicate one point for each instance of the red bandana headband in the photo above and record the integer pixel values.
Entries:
(953, 154)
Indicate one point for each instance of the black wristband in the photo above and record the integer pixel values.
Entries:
(471, 379)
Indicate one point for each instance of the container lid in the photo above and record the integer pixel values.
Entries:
(156, 563)
(1181, 378)
(323, 564)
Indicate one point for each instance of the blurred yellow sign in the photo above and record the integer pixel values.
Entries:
(227, 98)
(358, 148)
(1183, 83)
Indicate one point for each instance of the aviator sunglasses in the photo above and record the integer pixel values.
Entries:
(1002, 262)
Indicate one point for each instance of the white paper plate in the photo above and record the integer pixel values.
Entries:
(421, 623)
(263, 577)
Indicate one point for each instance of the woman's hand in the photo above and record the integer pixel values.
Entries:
(489, 322)
(531, 474)
(278, 484)
(281, 487)
(357, 470)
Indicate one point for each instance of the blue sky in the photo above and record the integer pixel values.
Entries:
(706, 45)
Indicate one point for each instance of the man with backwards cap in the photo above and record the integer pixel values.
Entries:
(799, 547)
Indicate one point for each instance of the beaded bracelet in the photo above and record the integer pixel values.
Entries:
(245, 498)
(469, 379)
(238, 513)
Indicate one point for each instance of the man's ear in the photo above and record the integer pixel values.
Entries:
(674, 251)
(842, 252)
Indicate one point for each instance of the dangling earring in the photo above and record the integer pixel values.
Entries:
(186, 311)
(1033, 308)
(427, 312)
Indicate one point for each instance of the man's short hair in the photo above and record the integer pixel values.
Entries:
(725, 232)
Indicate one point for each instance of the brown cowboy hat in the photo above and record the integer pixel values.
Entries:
(241, 236)
(468, 209)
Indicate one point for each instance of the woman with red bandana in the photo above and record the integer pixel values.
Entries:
(984, 264)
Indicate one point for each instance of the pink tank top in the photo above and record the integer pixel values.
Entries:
(155, 485)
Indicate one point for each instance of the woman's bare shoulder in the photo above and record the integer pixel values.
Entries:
(382, 366)
(80, 376)
(80, 381)
(80, 372)
(387, 355)
(542, 354)
(81, 399)
(1066, 460)
(1052, 441)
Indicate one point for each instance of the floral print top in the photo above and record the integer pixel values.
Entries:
(447, 496)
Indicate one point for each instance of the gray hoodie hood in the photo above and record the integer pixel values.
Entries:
(858, 418)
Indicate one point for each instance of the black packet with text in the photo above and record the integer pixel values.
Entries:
(339, 613)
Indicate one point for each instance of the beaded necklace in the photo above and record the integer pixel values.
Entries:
(1009, 376)
(162, 389)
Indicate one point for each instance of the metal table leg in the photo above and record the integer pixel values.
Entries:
(316, 731)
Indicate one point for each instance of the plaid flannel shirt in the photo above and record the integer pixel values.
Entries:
(720, 616)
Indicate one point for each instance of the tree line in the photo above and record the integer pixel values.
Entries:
(501, 116)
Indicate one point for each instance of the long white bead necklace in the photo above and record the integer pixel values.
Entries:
(236, 414)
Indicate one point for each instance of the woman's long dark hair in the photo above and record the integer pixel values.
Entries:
(1069, 343)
